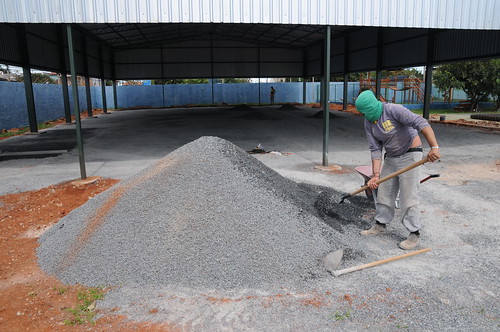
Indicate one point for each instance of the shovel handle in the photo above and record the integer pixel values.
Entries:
(382, 261)
(390, 176)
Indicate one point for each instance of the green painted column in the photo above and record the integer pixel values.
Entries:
(64, 78)
(103, 81)
(428, 75)
(28, 84)
(115, 95)
(326, 96)
(30, 99)
(76, 104)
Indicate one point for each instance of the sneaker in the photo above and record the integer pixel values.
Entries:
(374, 230)
(411, 242)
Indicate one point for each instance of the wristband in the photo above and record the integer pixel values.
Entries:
(435, 147)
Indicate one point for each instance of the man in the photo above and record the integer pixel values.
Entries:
(273, 92)
(395, 128)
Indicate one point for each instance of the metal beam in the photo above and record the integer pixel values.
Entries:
(326, 95)
(64, 78)
(428, 74)
(378, 83)
(87, 80)
(76, 104)
(115, 95)
(378, 77)
(346, 71)
(113, 73)
(304, 90)
(28, 84)
(103, 81)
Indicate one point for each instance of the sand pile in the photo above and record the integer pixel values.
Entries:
(208, 214)
(288, 107)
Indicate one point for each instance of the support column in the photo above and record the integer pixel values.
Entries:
(346, 73)
(28, 84)
(103, 81)
(378, 79)
(258, 69)
(304, 90)
(326, 96)
(113, 73)
(378, 83)
(345, 95)
(87, 81)
(115, 95)
(65, 90)
(89, 97)
(64, 78)
(259, 91)
(428, 74)
(76, 104)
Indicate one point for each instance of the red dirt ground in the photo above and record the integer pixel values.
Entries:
(30, 300)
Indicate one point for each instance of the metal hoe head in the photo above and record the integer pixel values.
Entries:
(332, 260)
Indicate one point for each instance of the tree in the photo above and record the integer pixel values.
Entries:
(478, 79)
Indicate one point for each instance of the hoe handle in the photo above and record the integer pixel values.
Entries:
(390, 176)
(383, 261)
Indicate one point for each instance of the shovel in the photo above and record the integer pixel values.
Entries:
(385, 178)
(332, 261)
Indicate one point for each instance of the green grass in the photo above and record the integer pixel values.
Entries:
(84, 313)
(341, 315)
(60, 290)
(399, 326)
(24, 130)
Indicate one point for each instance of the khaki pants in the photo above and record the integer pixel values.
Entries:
(407, 185)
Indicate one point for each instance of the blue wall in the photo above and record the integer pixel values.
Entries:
(49, 103)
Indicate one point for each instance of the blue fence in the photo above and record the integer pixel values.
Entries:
(49, 101)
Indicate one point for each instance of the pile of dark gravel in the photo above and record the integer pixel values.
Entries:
(208, 214)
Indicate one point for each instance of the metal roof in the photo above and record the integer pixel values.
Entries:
(150, 39)
(436, 14)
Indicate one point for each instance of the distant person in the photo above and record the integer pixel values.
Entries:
(396, 129)
(273, 92)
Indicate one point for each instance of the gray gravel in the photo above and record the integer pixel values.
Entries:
(452, 288)
(206, 215)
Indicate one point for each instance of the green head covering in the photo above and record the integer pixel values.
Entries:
(368, 104)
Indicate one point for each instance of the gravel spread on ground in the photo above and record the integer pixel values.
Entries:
(206, 215)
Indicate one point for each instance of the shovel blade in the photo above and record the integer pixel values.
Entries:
(344, 197)
(332, 260)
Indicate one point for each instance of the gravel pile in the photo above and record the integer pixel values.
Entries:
(208, 215)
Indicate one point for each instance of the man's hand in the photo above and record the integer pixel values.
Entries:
(434, 154)
(372, 184)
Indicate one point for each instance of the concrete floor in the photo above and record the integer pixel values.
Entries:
(121, 143)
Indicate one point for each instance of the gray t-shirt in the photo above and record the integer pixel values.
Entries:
(394, 131)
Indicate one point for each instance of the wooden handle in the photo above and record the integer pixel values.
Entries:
(383, 261)
(390, 176)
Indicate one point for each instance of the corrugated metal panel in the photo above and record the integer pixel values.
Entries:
(188, 70)
(458, 45)
(235, 54)
(9, 49)
(281, 70)
(138, 56)
(42, 53)
(280, 54)
(405, 53)
(138, 71)
(363, 60)
(449, 14)
(187, 54)
(337, 64)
